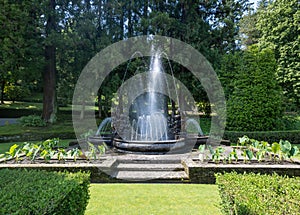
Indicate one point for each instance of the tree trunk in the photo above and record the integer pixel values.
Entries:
(2, 92)
(49, 75)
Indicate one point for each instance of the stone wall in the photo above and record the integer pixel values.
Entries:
(205, 173)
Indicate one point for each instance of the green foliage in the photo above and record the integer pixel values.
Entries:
(94, 152)
(16, 92)
(268, 136)
(255, 194)
(256, 102)
(201, 148)
(32, 121)
(287, 149)
(41, 192)
(278, 22)
(216, 154)
(259, 149)
(47, 150)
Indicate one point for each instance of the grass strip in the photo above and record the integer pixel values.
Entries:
(153, 199)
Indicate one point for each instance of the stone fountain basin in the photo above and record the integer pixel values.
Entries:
(151, 147)
(98, 140)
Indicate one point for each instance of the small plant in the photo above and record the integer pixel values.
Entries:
(217, 154)
(102, 148)
(75, 153)
(244, 141)
(61, 154)
(287, 149)
(14, 152)
(31, 150)
(94, 152)
(276, 150)
(249, 154)
(232, 156)
(51, 143)
(47, 154)
(32, 121)
(201, 149)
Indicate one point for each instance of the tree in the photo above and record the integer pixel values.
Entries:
(18, 43)
(249, 34)
(49, 74)
(256, 101)
(279, 27)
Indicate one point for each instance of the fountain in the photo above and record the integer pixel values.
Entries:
(148, 126)
(103, 134)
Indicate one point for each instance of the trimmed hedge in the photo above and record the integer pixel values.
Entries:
(255, 194)
(268, 136)
(40, 192)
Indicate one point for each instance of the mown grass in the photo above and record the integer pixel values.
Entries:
(59, 127)
(153, 199)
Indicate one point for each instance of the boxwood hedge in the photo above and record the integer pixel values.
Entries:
(255, 194)
(268, 136)
(39, 192)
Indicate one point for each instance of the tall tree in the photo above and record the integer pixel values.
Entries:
(49, 74)
(19, 44)
(279, 27)
(256, 101)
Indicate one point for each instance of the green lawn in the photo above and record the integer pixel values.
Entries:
(153, 199)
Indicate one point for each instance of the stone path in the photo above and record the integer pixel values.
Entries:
(5, 121)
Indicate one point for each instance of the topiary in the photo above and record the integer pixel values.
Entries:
(256, 101)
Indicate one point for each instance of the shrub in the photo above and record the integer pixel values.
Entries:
(268, 136)
(15, 92)
(40, 192)
(255, 194)
(32, 121)
(256, 101)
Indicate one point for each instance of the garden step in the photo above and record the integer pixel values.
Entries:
(152, 175)
(150, 167)
(152, 160)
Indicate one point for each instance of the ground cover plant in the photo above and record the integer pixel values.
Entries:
(153, 199)
(255, 194)
(41, 192)
(251, 150)
(50, 150)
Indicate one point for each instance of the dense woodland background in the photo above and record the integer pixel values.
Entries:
(45, 45)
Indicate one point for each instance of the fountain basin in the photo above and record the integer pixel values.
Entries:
(152, 147)
(98, 140)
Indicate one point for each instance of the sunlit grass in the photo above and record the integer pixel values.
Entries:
(21, 105)
(153, 199)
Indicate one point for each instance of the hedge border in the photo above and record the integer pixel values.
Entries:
(270, 136)
(257, 194)
(41, 192)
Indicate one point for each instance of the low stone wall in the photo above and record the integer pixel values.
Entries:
(204, 173)
(99, 172)
(200, 173)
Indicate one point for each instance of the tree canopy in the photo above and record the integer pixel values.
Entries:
(46, 44)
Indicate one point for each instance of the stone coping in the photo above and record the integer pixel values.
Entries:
(196, 171)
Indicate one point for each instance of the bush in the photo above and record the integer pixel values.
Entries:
(40, 192)
(15, 92)
(255, 194)
(256, 101)
(32, 121)
(268, 136)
